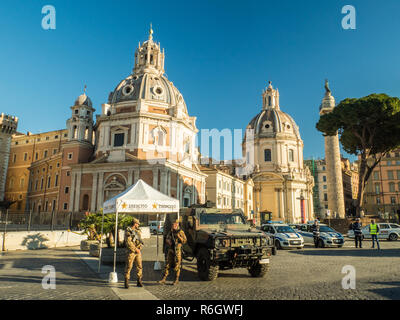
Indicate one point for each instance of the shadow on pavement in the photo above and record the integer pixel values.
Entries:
(392, 292)
(340, 252)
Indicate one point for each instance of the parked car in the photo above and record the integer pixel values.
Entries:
(389, 231)
(283, 235)
(328, 237)
(156, 227)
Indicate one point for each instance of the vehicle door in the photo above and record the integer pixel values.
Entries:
(395, 228)
(384, 230)
(365, 232)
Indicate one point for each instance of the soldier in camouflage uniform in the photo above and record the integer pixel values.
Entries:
(134, 243)
(174, 240)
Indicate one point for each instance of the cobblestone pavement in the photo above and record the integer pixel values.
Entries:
(294, 274)
(21, 277)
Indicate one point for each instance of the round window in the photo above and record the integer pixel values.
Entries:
(127, 90)
(267, 126)
(158, 90)
(288, 126)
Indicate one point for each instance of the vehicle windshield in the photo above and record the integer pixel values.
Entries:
(326, 229)
(220, 218)
(284, 229)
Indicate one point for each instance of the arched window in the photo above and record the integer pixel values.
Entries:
(75, 133)
(269, 100)
(87, 133)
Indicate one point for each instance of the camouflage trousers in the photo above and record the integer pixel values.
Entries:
(173, 259)
(133, 258)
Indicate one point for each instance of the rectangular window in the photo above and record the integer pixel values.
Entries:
(325, 197)
(66, 190)
(25, 156)
(267, 155)
(36, 156)
(70, 156)
(393, 200)
(392, 187)
(377, 188)
(45, 154)
(398, 174)
(291, 155)
(49, 182)
(14, 157)
(376, 175)
(324, 178)
(56, 181)
(378, 200)
(54, 151)
(41, 184)
(118, 139)
(65, 206)
(388, 163)
(390, 175)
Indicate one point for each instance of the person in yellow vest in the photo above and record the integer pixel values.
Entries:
(374, 231)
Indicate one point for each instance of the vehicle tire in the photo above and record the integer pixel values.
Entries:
(205, 269)
(393, 237)
(278, 245)
(321, 243)
(155, 232)
(259, 270)
(340, 246)
(299, 248)
(273, 251)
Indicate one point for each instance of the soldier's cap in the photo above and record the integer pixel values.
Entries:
(135, 221)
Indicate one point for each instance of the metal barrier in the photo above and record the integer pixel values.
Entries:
(38, 221)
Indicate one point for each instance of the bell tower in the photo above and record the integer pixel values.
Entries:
(8, 126)
(80, 125)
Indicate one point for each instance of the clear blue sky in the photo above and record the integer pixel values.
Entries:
(219, 54)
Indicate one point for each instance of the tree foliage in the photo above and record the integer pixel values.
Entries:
(368, 127)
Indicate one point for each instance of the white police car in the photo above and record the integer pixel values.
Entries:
(328, 237)
(389, 231)
(284, 236)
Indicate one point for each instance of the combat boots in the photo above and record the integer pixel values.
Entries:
(126, 283)
(139, 282)
(162, 281)
(176, 278)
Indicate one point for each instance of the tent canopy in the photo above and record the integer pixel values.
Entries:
(141, 198)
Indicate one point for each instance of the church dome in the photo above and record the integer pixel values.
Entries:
(147, 80)
(271, 121)
(146, 86)
(83, 100)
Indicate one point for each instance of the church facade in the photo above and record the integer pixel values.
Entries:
(273, 150)
(143, 132)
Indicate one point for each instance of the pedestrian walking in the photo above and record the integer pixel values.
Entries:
(174, 240)
(134, 243)
(315, 231)
(374, 231)
(358, 236)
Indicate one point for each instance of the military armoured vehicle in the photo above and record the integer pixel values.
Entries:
(222, 239)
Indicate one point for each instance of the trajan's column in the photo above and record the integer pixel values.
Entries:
(333, 161)
(8, 126)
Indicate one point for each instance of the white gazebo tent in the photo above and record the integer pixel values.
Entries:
(138, 198)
